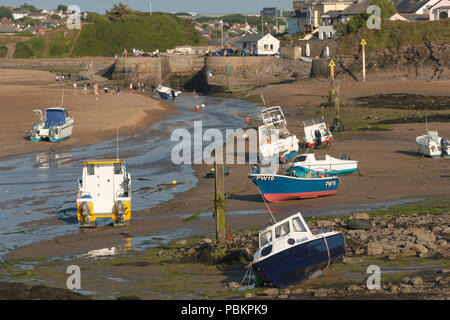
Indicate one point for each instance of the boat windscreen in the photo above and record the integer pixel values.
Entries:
(54, 118)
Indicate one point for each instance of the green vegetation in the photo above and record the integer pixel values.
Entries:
(25, 33)
(31, 48)
(5, 12)
(3, 51)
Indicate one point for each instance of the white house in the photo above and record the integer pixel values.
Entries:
(257, 44)
(20, 14)
(441, 10)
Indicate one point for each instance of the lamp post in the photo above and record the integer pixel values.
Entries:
(221, 22)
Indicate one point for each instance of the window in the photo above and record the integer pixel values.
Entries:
(298, 225)
(90, 169)
(265, 47)
(117, 168)
(266, 237)
(300, 159)
(271, 47)
(282, 230)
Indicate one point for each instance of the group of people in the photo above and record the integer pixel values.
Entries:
(136, 53)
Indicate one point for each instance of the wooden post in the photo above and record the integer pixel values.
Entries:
(336, 100)
(363, 43)
(219, 203)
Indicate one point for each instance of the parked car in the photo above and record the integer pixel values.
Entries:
(223, 52)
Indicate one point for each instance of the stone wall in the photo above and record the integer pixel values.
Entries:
(56, 63)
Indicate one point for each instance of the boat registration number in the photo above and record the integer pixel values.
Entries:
(266, 178)
(330, 184)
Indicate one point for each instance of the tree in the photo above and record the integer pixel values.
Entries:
(56, 17)
(27, 7)
(62, 7)
(5, 12)
(387, 8)
(118, 11)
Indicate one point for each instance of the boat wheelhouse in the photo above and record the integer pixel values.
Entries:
(317, 134)
(57, 125)
(289, 252)
(432, 145)
(104, 192)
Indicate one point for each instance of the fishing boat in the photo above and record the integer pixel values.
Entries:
(431, 145)
(289, 253)
(294, 185)
(284, 144)
(316, 135)
(104, 192)
(167, 93)
(57, 125)
(330, 165)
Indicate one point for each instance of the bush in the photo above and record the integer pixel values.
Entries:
(3, 51)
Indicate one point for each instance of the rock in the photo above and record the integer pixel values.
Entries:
(160, 253)
(394, 289)
(315, 274)
(407, 252)
(249, 295)
(353, 288)
(406, 279)
(444, 270)
(360, 216)
(191, 251)
(270, 292)
(285, 291)
(206, 240)
(346, 260)
(423, 236)
(446, 230)
(359, 224)
(417, 281)
(363, 236)
(320, 293)
(374, 249)
(233, 285)
(325, 224)
(282, 296)
(420, 249)
(299, 291)
(181, 242)
(437, 229)
(390, 226)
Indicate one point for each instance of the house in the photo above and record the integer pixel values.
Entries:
(326, 29)
(353, 10)
(20, 14)
(415, 6)
(7, 29)
(259, 44)
(6, 22)
(298, 23)
(441, 10)
(38, 16)
(409, 17)
(320, 7)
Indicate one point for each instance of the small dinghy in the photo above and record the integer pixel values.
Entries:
(57, 125)
(289, 253)
(431, 145)
(167, 93)
(330, 165)
(286, 144)
(317, 135)
(104, 192)
(296, 185)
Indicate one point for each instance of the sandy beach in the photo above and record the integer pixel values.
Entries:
(97, 117)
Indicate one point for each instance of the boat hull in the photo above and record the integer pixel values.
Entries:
(332, 171)
(276, 188)
(295, 264)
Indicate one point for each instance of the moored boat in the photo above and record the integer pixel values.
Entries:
(316, 135)
(167, 93)
(330, 165)
(431, 145)
(104, 192)
(275, 187)
(57, 125)
(289, 253)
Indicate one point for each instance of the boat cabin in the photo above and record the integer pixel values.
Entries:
(282, 235)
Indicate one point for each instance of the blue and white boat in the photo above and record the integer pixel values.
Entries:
(57, 125)
(289, 253)
(330, 165)
(296, 185)
(167, 93)
(433, 146)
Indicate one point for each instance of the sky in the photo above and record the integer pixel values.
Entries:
(200, 6)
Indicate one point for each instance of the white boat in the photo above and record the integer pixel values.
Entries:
(104, 192)
(288, 252)
(317, 134)
(330, 165)
(286, 145)
(167, 93)
(57, 125)
(431, 145)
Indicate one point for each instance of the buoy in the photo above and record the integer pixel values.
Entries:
(203, 106)
(247, 119)
(174, 182)
(197, 107)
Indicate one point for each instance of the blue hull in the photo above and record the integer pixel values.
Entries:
(277, 188)
(167, 96)
(288, 157)
(295, 264)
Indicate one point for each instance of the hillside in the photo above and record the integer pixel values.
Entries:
(107, 38)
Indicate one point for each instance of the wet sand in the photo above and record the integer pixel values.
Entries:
(97, 117)
(390, 170)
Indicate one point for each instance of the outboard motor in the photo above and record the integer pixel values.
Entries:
(318, 136)
(34, 130)
(345, 157)
(53, 132)
(444, 146)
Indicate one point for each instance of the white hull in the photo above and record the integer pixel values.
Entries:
(53, 132)
(329, 164)
(430, 147)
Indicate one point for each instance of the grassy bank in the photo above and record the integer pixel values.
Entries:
(3, 51)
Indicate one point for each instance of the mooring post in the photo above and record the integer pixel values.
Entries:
(336, 99)
(219, 203)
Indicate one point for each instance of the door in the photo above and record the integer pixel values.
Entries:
(104, 202)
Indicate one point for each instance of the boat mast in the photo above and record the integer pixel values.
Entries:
(117, 144)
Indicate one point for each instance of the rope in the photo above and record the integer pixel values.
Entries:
(274, 221)
(328, 251)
